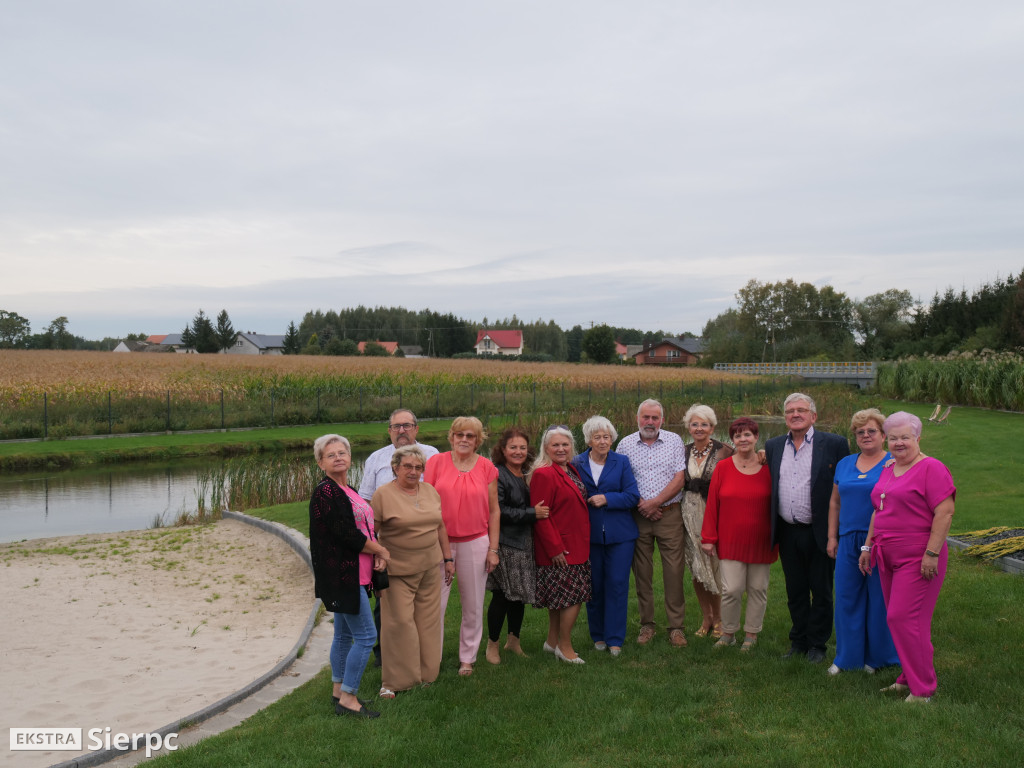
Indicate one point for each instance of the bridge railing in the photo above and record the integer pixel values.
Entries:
(858, 369)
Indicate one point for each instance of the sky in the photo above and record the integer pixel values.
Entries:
(577, 161)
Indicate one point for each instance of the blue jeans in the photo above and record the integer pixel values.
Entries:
(354, 636)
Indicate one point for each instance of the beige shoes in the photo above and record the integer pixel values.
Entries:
(493, 655)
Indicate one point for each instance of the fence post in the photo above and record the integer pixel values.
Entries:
(318, 405)
(110, 417)
(661, 390)
(534, 396)
(46, 418)
(590, 393)
(638, 390)
(615, 392)
(360, 403)
(400, 395)
(504, 395)
(271, 407)
(563, 395)
(472, 387)
(437, 402)
(721, 387)
(168, 410)
(222, 409)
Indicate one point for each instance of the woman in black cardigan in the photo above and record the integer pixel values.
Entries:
(344, 550)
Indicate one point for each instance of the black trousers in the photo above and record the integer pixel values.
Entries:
(808, 570)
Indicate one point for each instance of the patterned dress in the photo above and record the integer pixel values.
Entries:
(695, 493)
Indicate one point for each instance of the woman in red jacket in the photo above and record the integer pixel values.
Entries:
(561, 541)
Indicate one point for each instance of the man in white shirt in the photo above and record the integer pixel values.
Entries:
(402, 429)
(659, 466)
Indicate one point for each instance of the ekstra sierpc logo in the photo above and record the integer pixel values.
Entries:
(70, 740)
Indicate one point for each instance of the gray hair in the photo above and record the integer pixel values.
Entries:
(901, 419)
(701, 411)
(800, 396)
(406, 450)
(324, 440)
(647, 402)
(402, 410)
(596, 424)
(543, 460)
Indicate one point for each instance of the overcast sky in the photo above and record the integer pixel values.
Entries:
(631, 163)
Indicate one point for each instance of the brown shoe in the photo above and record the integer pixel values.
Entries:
(678, 638)
(647, 632)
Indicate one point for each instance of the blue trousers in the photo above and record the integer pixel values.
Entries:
(862, 633)
(609, 604)
(354, 636)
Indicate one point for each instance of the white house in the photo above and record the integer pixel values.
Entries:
(499, 343)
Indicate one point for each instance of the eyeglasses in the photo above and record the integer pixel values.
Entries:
(696, 424)
(464, 435)
(401, 427)
(866, 432)
(335, 455)
(794, 411)
(417, 467)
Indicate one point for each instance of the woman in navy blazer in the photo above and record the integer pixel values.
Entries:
(612, 496)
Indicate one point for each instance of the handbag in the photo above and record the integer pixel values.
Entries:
(379, 580)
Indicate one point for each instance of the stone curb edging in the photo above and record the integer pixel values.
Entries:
(1006, 563)
(300, 544)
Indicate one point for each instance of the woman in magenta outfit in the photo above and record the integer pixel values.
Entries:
(468, 486)
(561, 541)
(913, 502)
(737, 527)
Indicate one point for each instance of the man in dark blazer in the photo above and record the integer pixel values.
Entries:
(803, 467)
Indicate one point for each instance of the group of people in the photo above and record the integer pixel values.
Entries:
(561, 529)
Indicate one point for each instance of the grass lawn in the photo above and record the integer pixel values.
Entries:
(659, 706)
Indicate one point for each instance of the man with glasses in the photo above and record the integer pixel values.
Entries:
(803, 466)
(659, 465)
(402, 430)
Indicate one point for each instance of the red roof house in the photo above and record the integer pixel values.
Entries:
(499, 343)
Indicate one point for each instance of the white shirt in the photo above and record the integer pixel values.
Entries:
(377, 469)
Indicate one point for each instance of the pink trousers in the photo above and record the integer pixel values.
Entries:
(471, 574)
(910, 602)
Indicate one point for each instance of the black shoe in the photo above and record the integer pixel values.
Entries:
(793, 651)
(815, 656)
(364, 702)
(376, 661)
(361, 712)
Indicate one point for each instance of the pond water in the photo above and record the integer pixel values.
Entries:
(121, 498)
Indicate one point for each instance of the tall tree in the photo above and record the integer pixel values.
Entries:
(58, 334)
(574, 344)
(883, 322)
(225, 331)
(201, 335)
(291, 340)
(14, 330)
(599, 344)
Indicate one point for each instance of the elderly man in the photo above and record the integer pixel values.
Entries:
(659, 465)
(402, 429)
(803, 467)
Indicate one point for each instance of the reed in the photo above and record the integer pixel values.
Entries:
(986, 379)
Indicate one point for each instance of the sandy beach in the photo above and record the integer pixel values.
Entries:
(133, 630)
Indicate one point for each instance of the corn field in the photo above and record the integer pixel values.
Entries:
(64, 394)
(988, 380)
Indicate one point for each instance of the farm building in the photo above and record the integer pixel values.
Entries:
(499, 343)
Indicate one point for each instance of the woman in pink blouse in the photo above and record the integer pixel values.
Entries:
(913, 502)
(468, 486)
(737, 527)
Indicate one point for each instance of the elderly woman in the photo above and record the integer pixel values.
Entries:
(561, 541)
(913, 503)
(408, 517)
(344, 549)
(514, 582)
(702, 456)
(612, 496)
(737, 528)
(468, 486)
(862, 635)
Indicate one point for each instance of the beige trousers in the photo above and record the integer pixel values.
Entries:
(671, 538)
(738, 578)
(410, 630)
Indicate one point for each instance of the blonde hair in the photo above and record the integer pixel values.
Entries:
(860, 418)
(543, 460)
(323, 441)
(468, 424)
(701, 411)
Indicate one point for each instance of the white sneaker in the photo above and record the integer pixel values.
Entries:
(834, 670)
(869, 669)
(600, 645)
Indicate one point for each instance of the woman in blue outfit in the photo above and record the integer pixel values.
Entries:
(862, 634)
(612, 496)
(344, 551)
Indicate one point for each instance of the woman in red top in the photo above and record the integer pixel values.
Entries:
(561, 541)
(737, 523)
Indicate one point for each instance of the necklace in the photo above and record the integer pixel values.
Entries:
(701, 453)
(415, 493)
